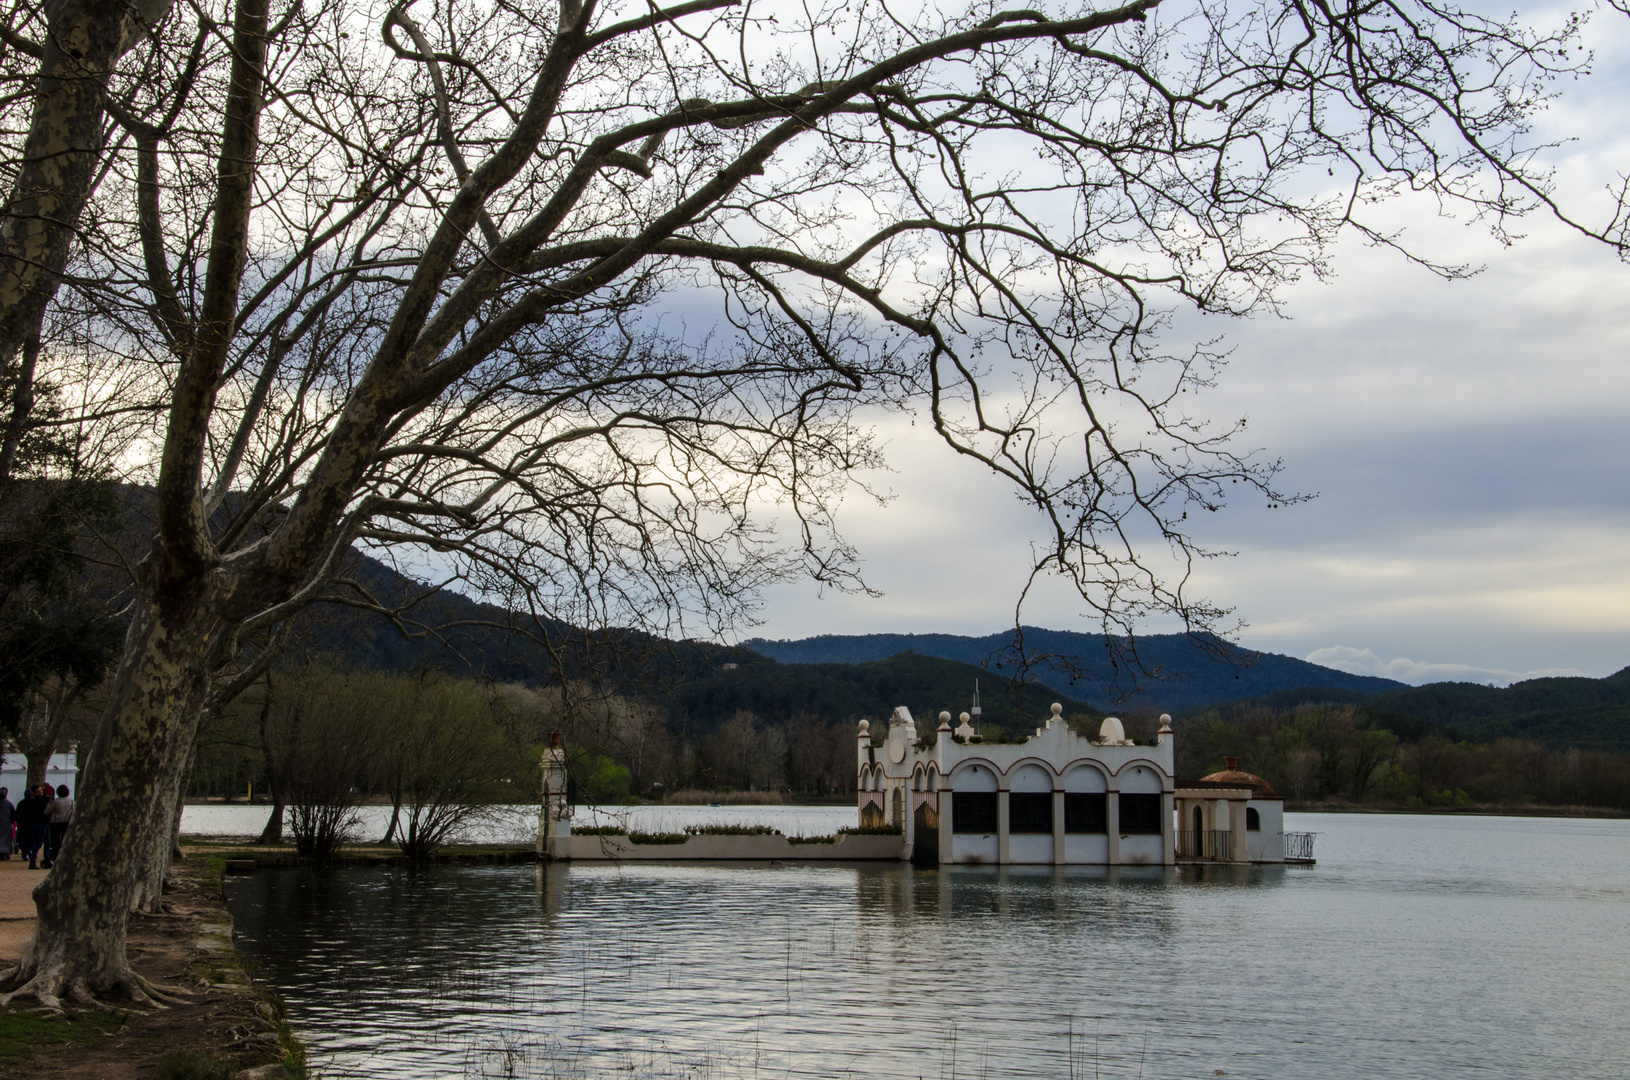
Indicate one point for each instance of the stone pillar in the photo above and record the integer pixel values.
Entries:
(942, 793)
(1058, 828)
(1168, 837)
(908, 822)
(1112, 825)
(554, 825)
(1002, 856)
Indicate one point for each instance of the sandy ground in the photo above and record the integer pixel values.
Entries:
(17, 883)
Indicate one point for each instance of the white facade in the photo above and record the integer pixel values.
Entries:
(1230, 816)
(1053, 798)
(61, 769)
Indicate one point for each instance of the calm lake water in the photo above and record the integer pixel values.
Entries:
(1418, 946)
(519, 824)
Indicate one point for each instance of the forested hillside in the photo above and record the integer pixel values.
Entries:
(1565, 712)
(1182, 672)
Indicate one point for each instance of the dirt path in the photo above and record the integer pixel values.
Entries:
(228, 1027)
(17, 883)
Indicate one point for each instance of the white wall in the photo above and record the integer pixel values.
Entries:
(1142, 850)
(1268, 845)
(62, 769)
(1030, 847)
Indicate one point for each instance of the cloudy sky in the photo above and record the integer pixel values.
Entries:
(1469, 444)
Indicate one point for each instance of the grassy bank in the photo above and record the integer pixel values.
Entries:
(236, 853)
(227, 1026)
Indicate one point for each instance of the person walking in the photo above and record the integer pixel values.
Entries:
(31, 825)
(7, 842)
(57, 814)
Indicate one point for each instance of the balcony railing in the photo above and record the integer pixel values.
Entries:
(1299, 846)
(1203, 844)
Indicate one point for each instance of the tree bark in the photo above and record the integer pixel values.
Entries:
(78, 947)
(40, 738)
(275, 778)
(41, 213)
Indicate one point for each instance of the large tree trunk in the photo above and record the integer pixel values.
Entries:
(41, 212)
(41, 735)
(78, 948)
(276, 767)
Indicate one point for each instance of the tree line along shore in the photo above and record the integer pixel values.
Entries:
(326, 737)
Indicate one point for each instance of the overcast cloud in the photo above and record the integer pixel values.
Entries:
(1467, 442)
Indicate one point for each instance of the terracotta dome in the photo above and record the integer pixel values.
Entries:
(1232, 775)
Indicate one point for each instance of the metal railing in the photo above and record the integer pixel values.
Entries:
(1299, 846)
(1203, 844)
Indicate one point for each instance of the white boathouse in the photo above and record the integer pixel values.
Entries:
(1057, 798)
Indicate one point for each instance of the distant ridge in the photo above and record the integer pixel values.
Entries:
(1188, 674)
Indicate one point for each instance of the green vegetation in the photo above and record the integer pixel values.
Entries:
(812, 839)
(195, 1065)
(731, 830)
(600, 830)
(22, 1033)
(658, 837)
(1591, 714)
(1350, 754)
(847, 692)
(602, 780)
(871, 830)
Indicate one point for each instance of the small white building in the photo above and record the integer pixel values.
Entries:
(1230, 816)
(1052, 798)
(61, 769)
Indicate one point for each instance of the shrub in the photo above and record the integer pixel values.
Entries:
(871, 830)
(812, 839)
(753, 798)
(600, 830)
(730, 830)
(657, 837)
(691, 797)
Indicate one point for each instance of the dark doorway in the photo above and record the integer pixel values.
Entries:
(925, 850)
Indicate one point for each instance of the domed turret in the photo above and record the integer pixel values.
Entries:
(1231, 774)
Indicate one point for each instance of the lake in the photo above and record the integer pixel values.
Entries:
(1418, 946)
(519, 824)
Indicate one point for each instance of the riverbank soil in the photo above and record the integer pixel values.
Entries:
(226, 1027)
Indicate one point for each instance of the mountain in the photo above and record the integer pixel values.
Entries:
(1186, 672)
(699, 683)
(848, 692)
(1592, 714)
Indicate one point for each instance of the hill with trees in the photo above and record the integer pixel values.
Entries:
(1167, 672)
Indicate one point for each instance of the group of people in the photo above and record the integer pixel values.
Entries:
(39, 820)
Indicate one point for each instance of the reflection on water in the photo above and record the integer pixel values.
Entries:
(519, 824)
(1418, 946)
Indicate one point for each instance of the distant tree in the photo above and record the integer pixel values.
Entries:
(455, 764)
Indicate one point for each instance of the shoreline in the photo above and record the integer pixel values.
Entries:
(1580, 812)
(228, 1023)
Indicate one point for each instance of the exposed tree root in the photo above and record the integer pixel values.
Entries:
(49, 988)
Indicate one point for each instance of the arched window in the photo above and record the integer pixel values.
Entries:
(1253, 820)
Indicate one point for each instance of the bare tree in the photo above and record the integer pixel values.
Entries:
(64, 53)
(435, 288)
